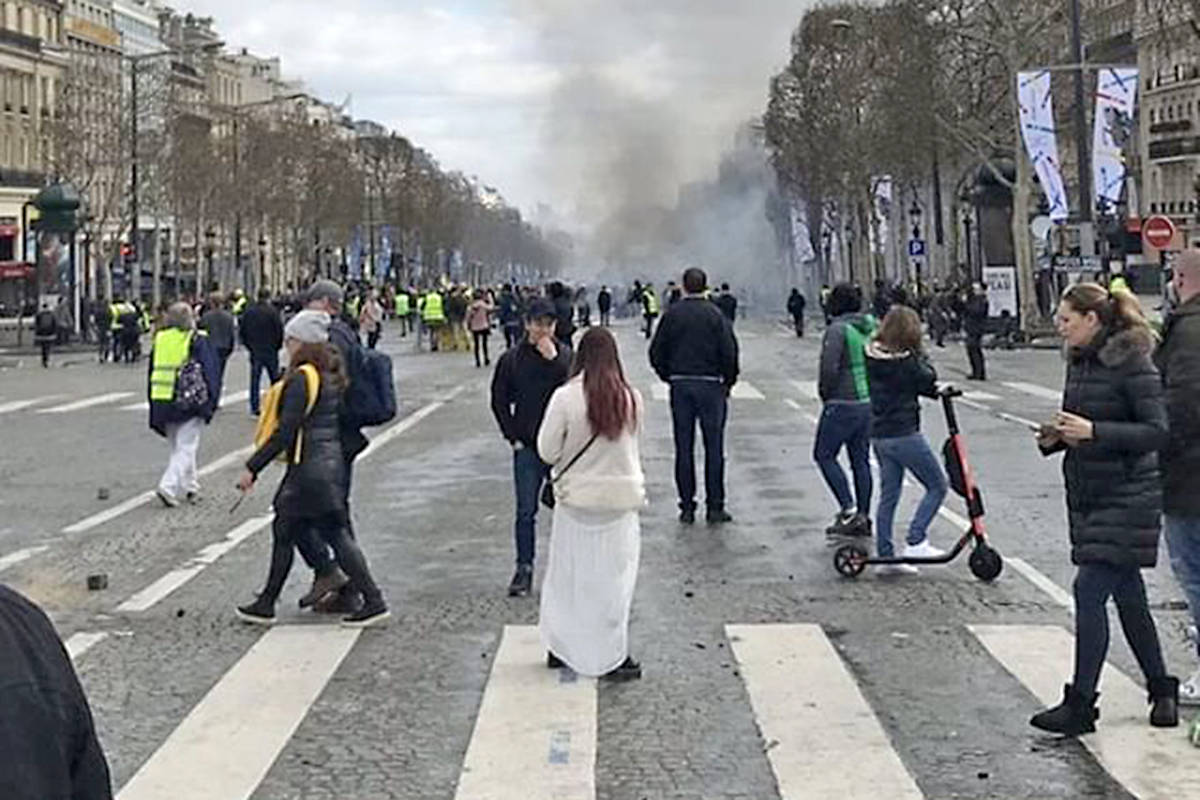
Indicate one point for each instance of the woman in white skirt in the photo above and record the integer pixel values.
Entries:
(590, 436)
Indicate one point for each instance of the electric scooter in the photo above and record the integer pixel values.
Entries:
(986, 564)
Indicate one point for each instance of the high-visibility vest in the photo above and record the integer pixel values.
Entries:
(402, 305)
(239, 305)
(1118, 284)
(352, 307)
(433, 308)
(115, 311)
(652, 306)
(171, 349)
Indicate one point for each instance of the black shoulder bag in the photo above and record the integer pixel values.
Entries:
(548, 499)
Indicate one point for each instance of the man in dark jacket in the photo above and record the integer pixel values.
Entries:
(47, 736)
(975, 317)
(604, 304)
(1178, 359)
(695, 351)
(846, 411)
(525, 378)
(727, 303)
(795, 307)
(261, 332)
(45, 331)
(221, 328)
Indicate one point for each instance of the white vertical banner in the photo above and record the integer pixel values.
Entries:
(1001, 285)
(1116, 95)
(1040, 135)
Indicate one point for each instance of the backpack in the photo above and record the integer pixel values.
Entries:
(268, 419)
(371, 398)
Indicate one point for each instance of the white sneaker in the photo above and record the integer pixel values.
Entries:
(1189, 690)
(923, 550)
(896, 569)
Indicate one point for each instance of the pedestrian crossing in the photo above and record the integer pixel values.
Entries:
(742, 390)
(55, 404)
(536, 732)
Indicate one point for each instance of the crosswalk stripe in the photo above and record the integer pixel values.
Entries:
(1035, 390)
(226, 399)
(90, 402)
(80, 643)
(741, 391)
(808, 389)
(813, 717)
(1152, 764)
(982, 397)
(535, 736)
(24, 554)
(18, 405)
(223, 749)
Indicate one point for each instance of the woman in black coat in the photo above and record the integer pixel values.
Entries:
(1111, 427)
(310, 497)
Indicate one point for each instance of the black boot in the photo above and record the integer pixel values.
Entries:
(522, 581)
(1164, 697)
(1076, 714)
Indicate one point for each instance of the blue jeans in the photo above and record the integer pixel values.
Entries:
(1183, 543)
(258, 363)
(707, 402)
(896, 455)
(849, 425)
(529, 473)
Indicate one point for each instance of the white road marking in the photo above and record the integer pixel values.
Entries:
(985, 397)
(1150, 763)
(80, 643)
(535, 736)
(90, 402)
(1059, 595)
(808, 389)
(17, 556)
(408, 422)
(741, 391)
(223, 749)
(18, 405)
(1035, 390)
(660, 391)
(167, 584)
(812, 715)
(226, 399)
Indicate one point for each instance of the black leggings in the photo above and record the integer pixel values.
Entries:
(290, 532)
(481, 341)
(1094, 584)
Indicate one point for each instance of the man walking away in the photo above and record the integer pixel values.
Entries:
(433, 317)
(604, 304)
(261, 332)
(370, 319)
(102, 317)
(221, 328)
(696, 352)
(526, 377)
(1178, 359)
(47, 734)
(846, 411)
(795, 307)
(403, 306)
(975, 316)
(727, 303)
(45, 332)
(650, 308)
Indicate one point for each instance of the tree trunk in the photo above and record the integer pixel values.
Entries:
(156, 286)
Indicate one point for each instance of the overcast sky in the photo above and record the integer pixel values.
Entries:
(517, 92)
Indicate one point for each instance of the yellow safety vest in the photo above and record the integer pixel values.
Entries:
(652, 306)
(1118, 284)
(402, 305)
(171, 350)
(433, 308)
(115, 311)
(239, 305)
(352, 306)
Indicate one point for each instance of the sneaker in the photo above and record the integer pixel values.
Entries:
(841, 524)
(629, 670)
(522, 581)
(1189, 691)
(923, 549)
(260, 612)
(348, 600)
(324, 585)
(717, 516)
(860, 526)
(889, 570)
(687, 516)
(168, 500)
(373, 613)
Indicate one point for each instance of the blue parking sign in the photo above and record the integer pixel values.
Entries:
(916, 248)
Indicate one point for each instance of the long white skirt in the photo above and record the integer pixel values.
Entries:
(588, 589)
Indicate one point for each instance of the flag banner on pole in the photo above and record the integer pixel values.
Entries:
(1116, 94)
(1040, 135)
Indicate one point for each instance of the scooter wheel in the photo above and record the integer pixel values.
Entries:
(850, 560)
(986, 563)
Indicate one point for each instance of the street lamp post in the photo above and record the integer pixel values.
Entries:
(210, 236)
(262, 262)
(970, 259)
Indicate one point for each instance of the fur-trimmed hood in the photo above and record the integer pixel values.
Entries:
(1113, 349)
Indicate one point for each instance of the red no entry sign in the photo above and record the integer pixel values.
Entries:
(1158, 232)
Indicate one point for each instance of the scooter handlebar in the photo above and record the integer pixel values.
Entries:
(950, 392)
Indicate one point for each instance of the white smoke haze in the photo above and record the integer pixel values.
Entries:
(649, 98)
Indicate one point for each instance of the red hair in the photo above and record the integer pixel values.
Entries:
(610, 404)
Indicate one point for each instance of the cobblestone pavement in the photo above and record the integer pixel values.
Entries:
(395, 717)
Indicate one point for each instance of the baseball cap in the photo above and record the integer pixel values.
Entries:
(541, 308)
(326, 290)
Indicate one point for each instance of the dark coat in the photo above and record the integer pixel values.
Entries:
(694, 340)
(796, 303)
(261, 330)
(975, 315)
(604, 300)
(350, 348)
(221, 328)
(313, 487)
(163, 414)
(1178, 359)
(522, 386)
(897, 382)
(1114, 500)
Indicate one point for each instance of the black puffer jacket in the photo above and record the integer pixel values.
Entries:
(312, 487)
(1114, 499)
(897, 380)
(1178, 359)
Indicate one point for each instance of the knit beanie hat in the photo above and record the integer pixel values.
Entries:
(310, 327)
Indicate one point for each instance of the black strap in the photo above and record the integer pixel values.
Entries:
(578, 456)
